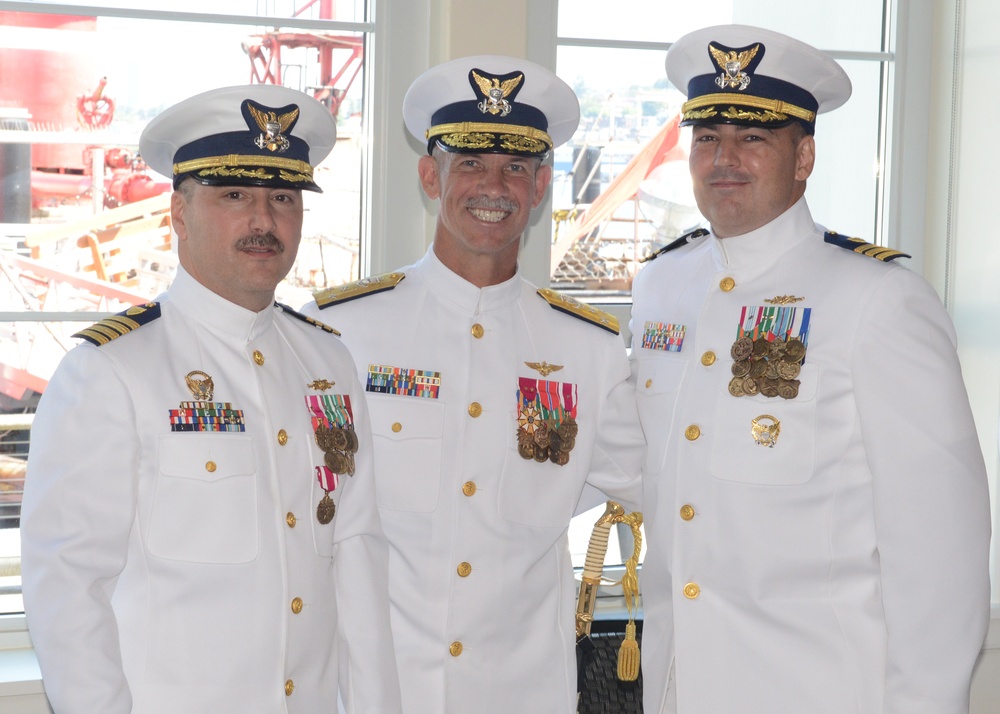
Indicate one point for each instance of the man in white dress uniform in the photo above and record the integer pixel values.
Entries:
(493, 403)
(815, 497)
(200, 531)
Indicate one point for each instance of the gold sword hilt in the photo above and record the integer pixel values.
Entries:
(593, 567)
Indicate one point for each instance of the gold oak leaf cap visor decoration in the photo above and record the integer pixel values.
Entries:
(256, 135)
(491, 104)
(736, 74)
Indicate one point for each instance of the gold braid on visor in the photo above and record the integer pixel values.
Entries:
(473, 127)
(774, 105)
(232, 160)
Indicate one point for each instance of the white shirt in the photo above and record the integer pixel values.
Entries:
(171, 570)
(481, 583)
(844, 568)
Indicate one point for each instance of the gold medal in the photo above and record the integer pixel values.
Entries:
(541, 435)
(569, 428)
(736, 386)
(795, 351)
(336, 462)
(741, 368)
(526, 449)
(769, 388)
(324, 438)
(788, 389)
(788, 370)
(352, 441)
(750, 387)
(541, 454)
(741, 349)
(326, 509)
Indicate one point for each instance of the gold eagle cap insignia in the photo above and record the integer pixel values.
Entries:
(495, 93)
(273, 127)
(544, 367)
(732, 65)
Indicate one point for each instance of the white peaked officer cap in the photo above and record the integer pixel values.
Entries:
(491, 104)
(736, 74)
(257, 135)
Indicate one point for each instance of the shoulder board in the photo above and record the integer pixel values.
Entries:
(359, 288)
(111, 328)
(878, 252)
(305, 318)
(683, 240)
(574, 307)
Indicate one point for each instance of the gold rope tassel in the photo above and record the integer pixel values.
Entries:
(628, 653)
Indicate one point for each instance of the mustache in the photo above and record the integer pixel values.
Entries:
(267, 241)
(486, 203)
(726, 175)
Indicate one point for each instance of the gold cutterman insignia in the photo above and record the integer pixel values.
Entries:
(544, 367)
(783, 300)
(765, 434)
(321, 385)
(200, 384)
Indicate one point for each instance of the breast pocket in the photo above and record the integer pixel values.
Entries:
(766, 440)
(205, 499)
(657, 386)
(407, 432)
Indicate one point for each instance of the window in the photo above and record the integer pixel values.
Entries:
(615, 61)
(613, 204)
(85, 228)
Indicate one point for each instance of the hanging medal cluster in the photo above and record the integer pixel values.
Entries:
(333, 426)
(546, 420)
(769, 350)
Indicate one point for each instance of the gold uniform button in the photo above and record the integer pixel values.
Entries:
(282, 437)
(210, 467)
(475, 409)
(297, 605)
(727, 284)
(478, 331)
(456, 649)
(692, 433)
(289, 687)
(687, 512)
(258, 357)
(708, 359)
(691, 591)
(396, 427)
(464, 569)
(469, 488)
(649, 383)
(290, 519)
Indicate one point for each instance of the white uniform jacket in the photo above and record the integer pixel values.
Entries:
(823, 553)
(480, 579)
(173, 560)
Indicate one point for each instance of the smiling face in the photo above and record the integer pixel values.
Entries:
(486, 201)
(238, 241)
(745, 177)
